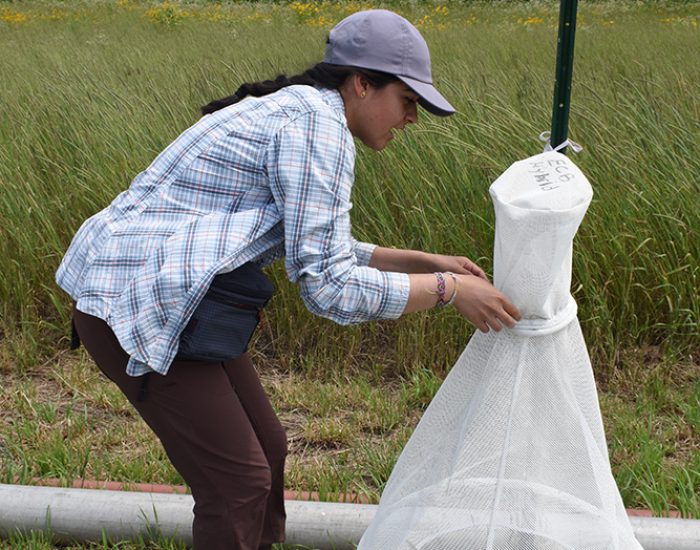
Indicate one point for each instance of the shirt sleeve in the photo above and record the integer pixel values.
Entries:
(310, 163)
(363, 252)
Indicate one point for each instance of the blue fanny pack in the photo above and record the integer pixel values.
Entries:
(223, 323)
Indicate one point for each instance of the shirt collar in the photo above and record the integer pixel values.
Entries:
(334, 100)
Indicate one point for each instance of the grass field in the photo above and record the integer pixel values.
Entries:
(92, 91)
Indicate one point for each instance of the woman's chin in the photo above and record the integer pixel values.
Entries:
(386, 141)
(379, 143)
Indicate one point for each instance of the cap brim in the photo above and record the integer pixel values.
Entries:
(430, 99)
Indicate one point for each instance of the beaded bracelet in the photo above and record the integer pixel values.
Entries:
(440, 290)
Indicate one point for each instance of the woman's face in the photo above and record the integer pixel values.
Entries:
(374, 116)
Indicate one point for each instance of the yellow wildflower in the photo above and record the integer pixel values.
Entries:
(531, 21)
(166, 14)
(424, 21)
(321, 22)
(304, 10)
(9, 16)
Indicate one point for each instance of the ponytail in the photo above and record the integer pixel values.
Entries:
(323, 75)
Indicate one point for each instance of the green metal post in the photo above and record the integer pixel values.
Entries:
(564, 70)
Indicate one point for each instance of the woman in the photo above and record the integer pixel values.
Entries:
(250, 182)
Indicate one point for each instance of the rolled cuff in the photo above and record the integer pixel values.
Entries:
(363, 252)
(397, 288)
(356, 296)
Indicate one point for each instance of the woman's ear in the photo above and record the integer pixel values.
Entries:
(360, 85)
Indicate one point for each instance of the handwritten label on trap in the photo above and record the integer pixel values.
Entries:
(550, 174)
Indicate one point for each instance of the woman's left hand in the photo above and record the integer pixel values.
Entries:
(456, 264)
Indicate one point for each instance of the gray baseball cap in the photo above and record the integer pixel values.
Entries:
(382, 40)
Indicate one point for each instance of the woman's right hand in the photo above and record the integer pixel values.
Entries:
(482, 304)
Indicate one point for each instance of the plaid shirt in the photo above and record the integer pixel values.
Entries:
(264, 178)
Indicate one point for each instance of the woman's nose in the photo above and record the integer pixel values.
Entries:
(412, 112)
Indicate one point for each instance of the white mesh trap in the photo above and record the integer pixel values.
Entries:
(511, 453)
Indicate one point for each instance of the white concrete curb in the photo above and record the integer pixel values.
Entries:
(84, 514)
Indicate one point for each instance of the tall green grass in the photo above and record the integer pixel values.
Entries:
(90, 98)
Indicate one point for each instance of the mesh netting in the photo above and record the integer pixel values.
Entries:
(511, 453)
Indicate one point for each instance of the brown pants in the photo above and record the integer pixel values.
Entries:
(220, 432)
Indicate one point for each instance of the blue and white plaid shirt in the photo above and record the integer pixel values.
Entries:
(264, 178)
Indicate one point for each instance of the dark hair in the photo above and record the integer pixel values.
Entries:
(323, 75)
